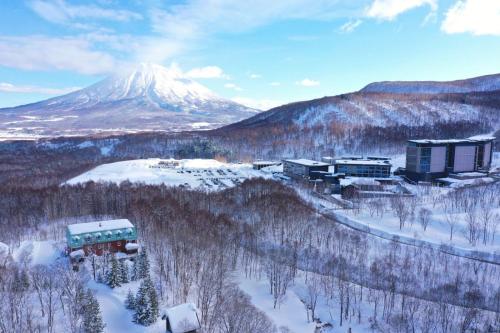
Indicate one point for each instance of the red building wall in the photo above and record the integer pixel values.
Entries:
(109, 247)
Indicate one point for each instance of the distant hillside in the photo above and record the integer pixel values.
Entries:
(477, 84)
(366, 121)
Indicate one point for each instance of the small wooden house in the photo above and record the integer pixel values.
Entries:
(182, 318)
(98, 237)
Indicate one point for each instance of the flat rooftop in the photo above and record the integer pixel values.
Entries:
(363, 162)
(97, 226)
(266, 162)
(306, 162)
(473, 139)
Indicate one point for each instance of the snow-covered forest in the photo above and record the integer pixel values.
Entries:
(253, 258)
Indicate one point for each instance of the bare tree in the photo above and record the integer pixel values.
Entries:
(449, 215)
(401, 209)
(280, 276)
(424, 217)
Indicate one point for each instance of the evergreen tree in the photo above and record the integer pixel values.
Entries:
(92, 318)
(153, 297)
(114, 276)
(21, 281)
(141, 265)
(146, 303)
(123, 272)
(130, 301)
(100, 278)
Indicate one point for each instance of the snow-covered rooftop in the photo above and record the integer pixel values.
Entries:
(477, 138)
(183, 318)
(266, 162)
(82, 228)
(363, 162)
(307, 162)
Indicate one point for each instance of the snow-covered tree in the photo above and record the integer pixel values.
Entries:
(92, 318)
(123, 272)
(146, 303)
(130, 300)
(114, 275)
(21, 281)
(141, 265)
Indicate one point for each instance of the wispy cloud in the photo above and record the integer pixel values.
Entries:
(390, 9)
(186, 23)
(259, 104)
(350, 26)
(478, 17)
(232, 86)
(47, 53)
(208, 72)
(59, 11)
(254, 76)
(11, 88)
(275, 84)
(307, 83)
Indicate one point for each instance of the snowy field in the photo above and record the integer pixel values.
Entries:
(203, 174)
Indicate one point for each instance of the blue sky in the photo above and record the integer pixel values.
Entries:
(260, 53)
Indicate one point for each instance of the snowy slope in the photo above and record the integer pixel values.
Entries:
(195, 173)
(477, 84)
(148, 97)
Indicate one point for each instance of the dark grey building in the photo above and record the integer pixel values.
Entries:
(359, 167)
(427, 160)
(257, 165)
(302, 168)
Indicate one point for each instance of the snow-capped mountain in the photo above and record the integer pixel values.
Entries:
(148, 97)
(477, 84)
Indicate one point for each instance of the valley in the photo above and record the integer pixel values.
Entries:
(283, 253)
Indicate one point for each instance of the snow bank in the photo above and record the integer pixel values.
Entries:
(37, 252)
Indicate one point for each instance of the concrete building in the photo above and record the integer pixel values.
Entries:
(257, 165)
(427, 160)
(360, 167)
(302, 168)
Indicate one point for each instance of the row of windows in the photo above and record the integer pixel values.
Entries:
(90, 238)
(364, 171)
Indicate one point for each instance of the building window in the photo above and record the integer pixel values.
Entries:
(425, 159)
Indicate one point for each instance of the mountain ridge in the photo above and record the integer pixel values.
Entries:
(365, 121)
(482, 83)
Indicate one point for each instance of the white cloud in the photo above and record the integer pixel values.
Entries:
(232, 86)
(390, 9)
(350, 26)
(259, 104)
(478, 17)
(11, 88)
(208, 72)
(59, 11)
(275, 84)
(47, 53)
(307, 83)
(186, 23)
(254, 76)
